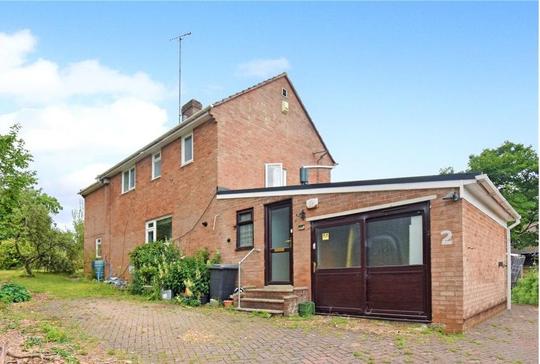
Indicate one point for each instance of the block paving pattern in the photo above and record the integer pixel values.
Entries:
(165, 333)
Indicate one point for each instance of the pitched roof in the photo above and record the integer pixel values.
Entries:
(142, 152)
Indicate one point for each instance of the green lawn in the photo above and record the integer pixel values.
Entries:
(63, 286)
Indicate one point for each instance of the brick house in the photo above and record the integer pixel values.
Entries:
(250, 174)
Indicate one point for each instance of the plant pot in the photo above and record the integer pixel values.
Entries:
(205, 298)
(166, 294)
(228, 303)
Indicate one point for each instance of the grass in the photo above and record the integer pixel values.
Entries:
(64, 286)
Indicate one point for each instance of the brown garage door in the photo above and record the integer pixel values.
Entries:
(374, 264)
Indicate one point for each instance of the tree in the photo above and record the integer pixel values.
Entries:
(15, 177)
(513, 168)
(34, 234)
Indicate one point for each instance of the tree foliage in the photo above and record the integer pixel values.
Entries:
(27, 232)
(513, 168)
(15, 177)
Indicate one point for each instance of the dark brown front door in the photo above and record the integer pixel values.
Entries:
(279, 243)
(374, 264)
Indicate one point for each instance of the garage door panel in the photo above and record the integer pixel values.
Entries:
(339, 289)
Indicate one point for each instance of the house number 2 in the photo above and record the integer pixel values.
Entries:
(447, 237)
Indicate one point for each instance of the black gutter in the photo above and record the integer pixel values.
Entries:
(370, 182)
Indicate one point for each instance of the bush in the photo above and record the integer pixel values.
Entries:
(161, 266)
(526, 290)
(12, 292)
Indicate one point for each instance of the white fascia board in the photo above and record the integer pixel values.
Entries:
(373, 208)
(476, 201)
(349, 189)
(484, 180)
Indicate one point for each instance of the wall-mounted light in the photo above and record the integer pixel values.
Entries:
(452, 196)
(301, 214)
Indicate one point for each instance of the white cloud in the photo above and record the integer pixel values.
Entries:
(42, 80)
(76, 120)
(263, 67)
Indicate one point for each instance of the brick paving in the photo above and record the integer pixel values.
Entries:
(165, 333)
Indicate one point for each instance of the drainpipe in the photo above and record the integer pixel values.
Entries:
(509, 264)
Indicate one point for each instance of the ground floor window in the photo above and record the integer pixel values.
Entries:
(244, 229)
(159, 229)
(98, 248)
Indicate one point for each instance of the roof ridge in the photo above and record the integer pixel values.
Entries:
(250, 88)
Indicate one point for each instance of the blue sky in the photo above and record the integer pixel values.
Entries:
(395, 89)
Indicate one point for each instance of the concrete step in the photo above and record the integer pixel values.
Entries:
(271, 312)
(262, 303)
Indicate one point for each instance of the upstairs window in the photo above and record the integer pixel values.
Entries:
(244, 229)
(128, 180)
(275, 175)
(159, 229)
(156, 165)
(187, 149)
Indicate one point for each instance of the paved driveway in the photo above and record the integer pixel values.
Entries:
(163, 333)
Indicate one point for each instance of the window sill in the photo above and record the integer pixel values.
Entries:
(153, 179)
(243, 248)
(128, 191)
(186, 163)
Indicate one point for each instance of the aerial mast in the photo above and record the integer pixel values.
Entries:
(179, 39)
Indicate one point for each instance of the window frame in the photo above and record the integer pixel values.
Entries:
(154, 228)
(266, 167)
(183, 160)
(238, 224)
(128, 171)
(99, 243)
(154, 167)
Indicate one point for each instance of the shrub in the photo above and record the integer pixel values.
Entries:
(12, 292)
(526, 290)
(161, 266)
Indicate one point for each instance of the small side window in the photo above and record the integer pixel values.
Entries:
(187, 149)
(244, 229)
(156, 165)
(98, 248)
(284, 92)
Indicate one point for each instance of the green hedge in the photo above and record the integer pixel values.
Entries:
(526, 289)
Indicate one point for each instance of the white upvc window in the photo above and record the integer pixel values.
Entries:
(187, 149)
(275, 175)
(159, 229)
(128, 180)
(156, 165)
(98, 248)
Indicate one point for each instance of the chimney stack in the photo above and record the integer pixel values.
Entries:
(190, 108)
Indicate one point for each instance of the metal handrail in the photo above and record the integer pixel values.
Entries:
(239, 290)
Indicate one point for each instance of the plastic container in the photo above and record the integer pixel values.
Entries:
(306, 309)
(222, 281)
(99, 269)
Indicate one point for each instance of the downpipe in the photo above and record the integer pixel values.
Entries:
(509, 263)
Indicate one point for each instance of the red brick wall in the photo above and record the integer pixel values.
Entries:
(447, 260)
(181, 191)
(484, 247)
(253, 131)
